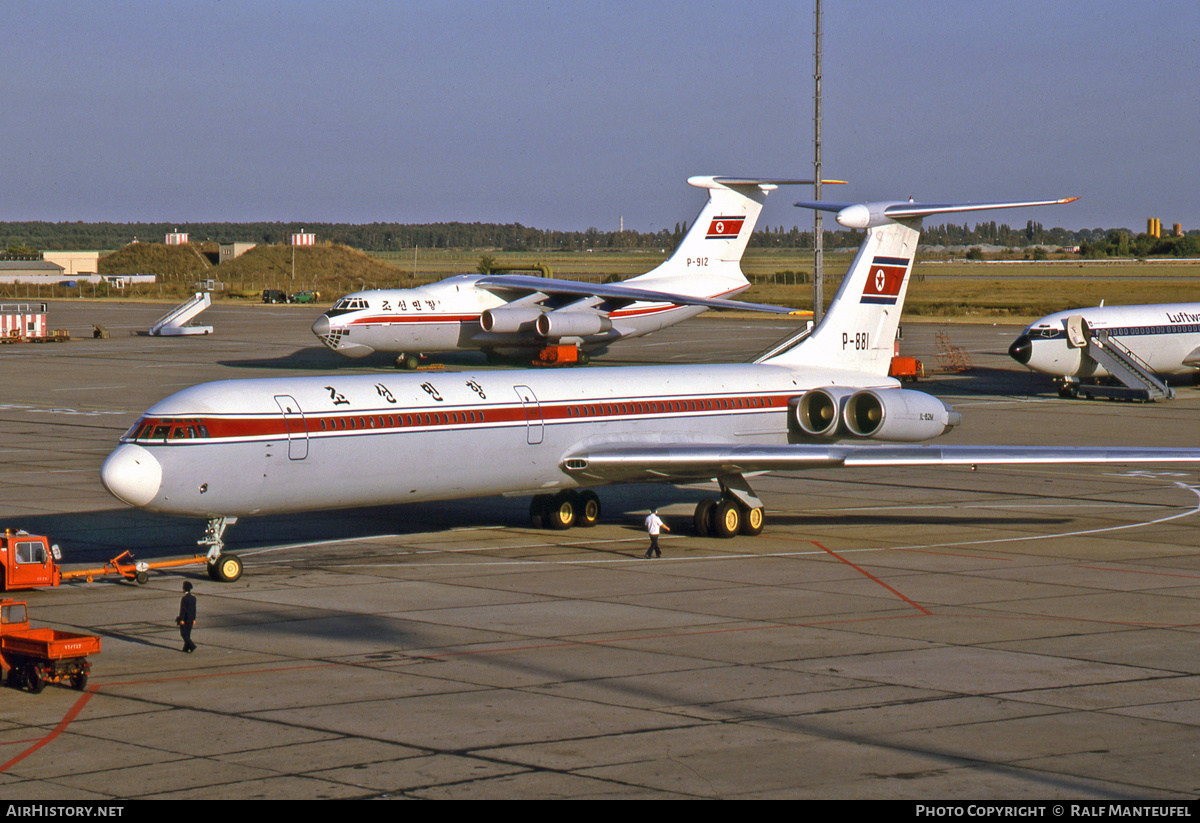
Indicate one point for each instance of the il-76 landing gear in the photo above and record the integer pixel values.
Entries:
(409, 361)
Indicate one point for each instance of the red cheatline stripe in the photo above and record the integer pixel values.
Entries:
(377, 420)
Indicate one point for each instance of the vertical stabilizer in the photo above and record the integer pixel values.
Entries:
(711, 251)
(858, 332)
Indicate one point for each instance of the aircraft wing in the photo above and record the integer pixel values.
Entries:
(529, 284)
(635, 462)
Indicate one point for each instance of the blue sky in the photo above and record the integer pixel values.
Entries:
(576, 114)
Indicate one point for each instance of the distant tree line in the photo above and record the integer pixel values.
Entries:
(33, 237)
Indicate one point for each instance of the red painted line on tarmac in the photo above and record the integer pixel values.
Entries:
(1139, 571)
(872, 577)
(59, 729)
(74, 711)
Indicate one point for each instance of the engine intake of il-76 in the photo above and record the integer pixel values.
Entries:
(898, 415)
(572, 324)
(508, 321)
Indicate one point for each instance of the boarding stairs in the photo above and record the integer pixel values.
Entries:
(951, 359)
(175, 322)
(1131, 371)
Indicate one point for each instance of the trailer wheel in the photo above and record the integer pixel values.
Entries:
(227, 569)
(142, 578)
(34, 679)
(79, 681)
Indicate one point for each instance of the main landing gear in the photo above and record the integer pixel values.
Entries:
(223, 568)
(408, 361)
(728, 517)
(737, 511)
(566, 509)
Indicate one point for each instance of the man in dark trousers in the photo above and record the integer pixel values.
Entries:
(187, 617)
(654, 525)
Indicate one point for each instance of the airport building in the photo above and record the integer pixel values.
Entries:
(31, 271)
(230, 251)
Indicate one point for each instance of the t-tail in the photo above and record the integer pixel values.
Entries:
(708, 261)
(858, 331)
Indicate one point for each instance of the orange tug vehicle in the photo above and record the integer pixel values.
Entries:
(31, 658)
(29, 561)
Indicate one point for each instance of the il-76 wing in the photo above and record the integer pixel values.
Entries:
(634, 462)
(525, 284)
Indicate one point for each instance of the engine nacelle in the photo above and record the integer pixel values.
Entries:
(507, 321)
(818, 412)
(898, 415)
(572, 324)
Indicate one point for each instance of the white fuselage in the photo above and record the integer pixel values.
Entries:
(445, 317)
(243, 447)
(1164, 336)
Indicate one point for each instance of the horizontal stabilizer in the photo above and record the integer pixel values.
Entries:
(867, 215)
(764, 182)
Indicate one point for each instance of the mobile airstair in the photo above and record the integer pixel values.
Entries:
(1137, 380)
(175, 321)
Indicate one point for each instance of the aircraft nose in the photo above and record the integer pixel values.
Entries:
(1021, 350)
(132, 475)
(321, 327)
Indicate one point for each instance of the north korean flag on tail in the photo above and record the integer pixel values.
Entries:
(725, 228)
(884, 280)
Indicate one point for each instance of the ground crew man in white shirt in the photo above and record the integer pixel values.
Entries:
(654, 524)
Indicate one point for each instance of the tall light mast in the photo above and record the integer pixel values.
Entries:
(818, 227)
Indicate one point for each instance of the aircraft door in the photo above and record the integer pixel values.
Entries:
(1077, 332)
(534, 424)
(297, 430)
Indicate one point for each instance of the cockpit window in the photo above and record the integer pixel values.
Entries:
(348, 304)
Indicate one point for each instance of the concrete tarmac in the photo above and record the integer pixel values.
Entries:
(1020, 633)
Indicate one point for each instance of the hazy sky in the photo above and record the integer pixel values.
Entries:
(574, 114)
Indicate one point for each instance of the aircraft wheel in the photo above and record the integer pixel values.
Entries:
(538, 508)
(563, 510)
(727, 519)
(703, 518)
(227, 569)
(589, 509)
(408, 362)
(753, 521)
(1068, 390)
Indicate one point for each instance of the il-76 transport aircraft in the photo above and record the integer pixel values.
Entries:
(519, 315)
(821, 400)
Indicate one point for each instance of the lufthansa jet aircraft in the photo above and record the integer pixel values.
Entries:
(823, 399)
(1130, 343)
(520, 315)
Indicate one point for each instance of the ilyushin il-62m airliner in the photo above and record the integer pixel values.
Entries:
(823, 399)
(521, 315)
